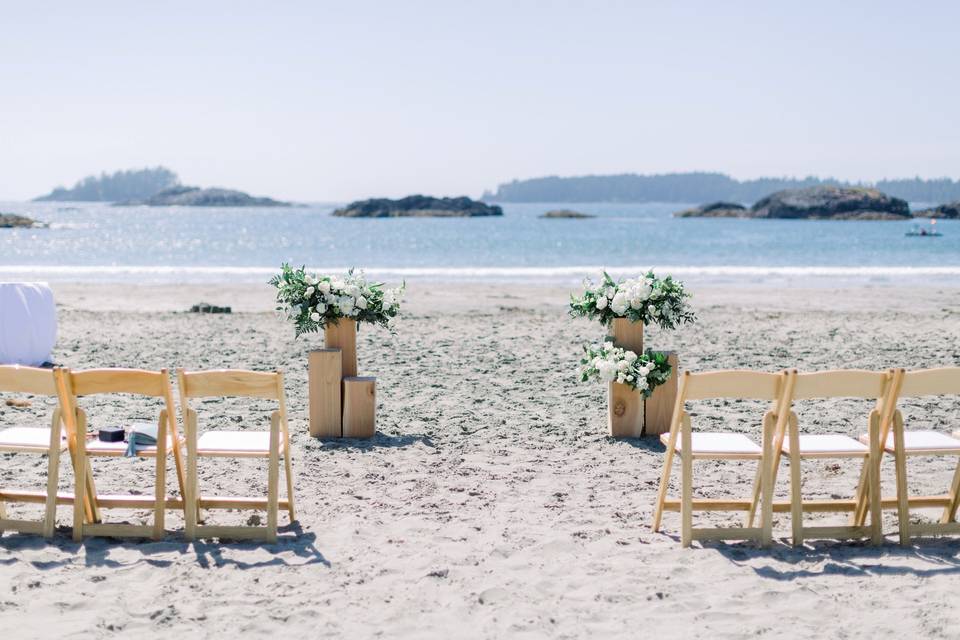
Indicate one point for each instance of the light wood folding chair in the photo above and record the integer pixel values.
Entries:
(137, 382)
(271, 445)
(50, 441)
(903, 444)
(789, 441)
(691, 446)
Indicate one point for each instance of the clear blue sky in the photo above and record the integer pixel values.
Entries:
(342, 100)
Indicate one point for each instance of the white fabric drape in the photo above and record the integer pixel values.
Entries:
(28, 323)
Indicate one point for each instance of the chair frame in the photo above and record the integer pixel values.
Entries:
(50, 383)
(136, 382)
(833, 384)
(932, 382)
(236, 383)
(720, 384)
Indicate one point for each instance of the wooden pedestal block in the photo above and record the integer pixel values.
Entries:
(628, 335)
(359, 407)
(659, 406)
(343, 335)
(324, 374)
(625, 411)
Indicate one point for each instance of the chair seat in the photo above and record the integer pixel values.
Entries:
(98, 447)
(920, 441)
(828, 445)
(240, 442)
(28, 438)
(718, 444)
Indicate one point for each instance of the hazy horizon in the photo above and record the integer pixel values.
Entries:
(323, 102)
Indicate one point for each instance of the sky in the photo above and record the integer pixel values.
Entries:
(336, 101)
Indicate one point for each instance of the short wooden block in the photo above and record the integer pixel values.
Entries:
(343, 335)
(359, 407)
(325, 408)
(628, 335)
(658, 409)
(625, 413)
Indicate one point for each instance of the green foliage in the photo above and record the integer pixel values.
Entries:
(648, 300)
(608, 363)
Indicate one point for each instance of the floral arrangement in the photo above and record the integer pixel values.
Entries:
(311, 301)
(643, 372)
(646, 299)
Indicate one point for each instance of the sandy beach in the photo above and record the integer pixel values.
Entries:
(491, 503)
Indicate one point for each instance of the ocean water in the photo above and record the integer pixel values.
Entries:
(97, 242)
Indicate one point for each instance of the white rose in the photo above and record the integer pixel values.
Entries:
(611, 291)
(315, 317)
(608, 345)
(623, 365)
(324, 287)
(362, 302)
(602, 302)
(345, 303)
(309, 279)
(321, 308)
(652, 310)
(309, 291)
(619, 304)
(630, 357)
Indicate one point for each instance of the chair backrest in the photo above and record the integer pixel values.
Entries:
(134, 381)
(849, 383)
(231, 383)
(37, 382)
(745, 385)
(930, 382)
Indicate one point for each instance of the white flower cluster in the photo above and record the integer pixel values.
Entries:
(309, 301)
(610, 363)
(646, 299)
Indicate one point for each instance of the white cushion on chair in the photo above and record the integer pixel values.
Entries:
(717, 443)
(913, 440)
(245, 441)
(827, 443)
(28, 437)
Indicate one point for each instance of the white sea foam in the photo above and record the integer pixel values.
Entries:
(723, 273)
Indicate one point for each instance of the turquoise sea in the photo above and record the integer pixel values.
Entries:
(99, 242)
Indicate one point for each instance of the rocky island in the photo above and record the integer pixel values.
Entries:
(181, 196)
(418, 207)
(814, 203)
(15, 221)
(565, 214)
(714, 210)
(951, 211)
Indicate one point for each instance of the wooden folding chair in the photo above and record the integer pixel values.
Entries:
(152, 384)
(903, 444)
(797, 447)
(271, 445)
(746, 385)
(50, 441)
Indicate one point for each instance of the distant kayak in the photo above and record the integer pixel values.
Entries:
(928, 231)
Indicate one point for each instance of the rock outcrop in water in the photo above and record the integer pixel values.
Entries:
(197, 197)
(813, 203)
(715, 210)
(951, 211)
(831, 203)
(15, 221)
(566, 214)
(418, 207)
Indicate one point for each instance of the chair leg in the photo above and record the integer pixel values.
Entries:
(3, 514)
(796, 510)
(90, 506)
(767, 473)
(273, 480)
(80, 495)
(859, 515)
(289, 473)
(662, 493)
(873, 485)
(950, 511)
(53, 481)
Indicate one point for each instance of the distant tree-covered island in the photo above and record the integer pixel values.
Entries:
(157, 187)
(700, 187)
(132, 184)
(418, 207)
